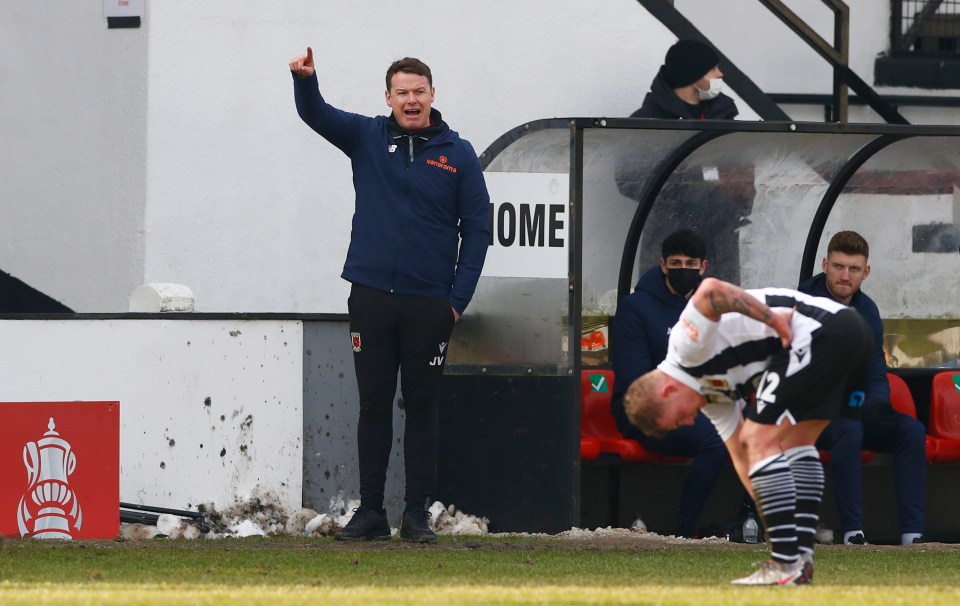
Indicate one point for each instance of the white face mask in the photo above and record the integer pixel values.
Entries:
(711, 93)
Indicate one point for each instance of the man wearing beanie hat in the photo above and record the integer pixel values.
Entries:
(714, 200)
(688, 86)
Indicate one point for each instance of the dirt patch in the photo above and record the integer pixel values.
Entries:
(575, 540)
(260, 521)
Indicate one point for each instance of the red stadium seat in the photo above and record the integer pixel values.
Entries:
(902, 401)
(944, 422)
(945, 405)
(598, 431)
(865, 455)
(589, 449)
(900, 396)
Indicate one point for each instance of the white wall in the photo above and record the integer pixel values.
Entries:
(72, 152)
(241, 193)
(173, 152)
(188, 390)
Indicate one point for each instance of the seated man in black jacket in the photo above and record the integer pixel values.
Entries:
(641, 329)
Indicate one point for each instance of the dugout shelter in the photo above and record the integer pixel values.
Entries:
(767, 196)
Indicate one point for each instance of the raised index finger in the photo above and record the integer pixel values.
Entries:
(309, 56)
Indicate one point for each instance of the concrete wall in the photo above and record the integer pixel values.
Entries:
(209, 410)
(330, 411)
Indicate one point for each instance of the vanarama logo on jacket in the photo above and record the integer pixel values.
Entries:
(441, 162)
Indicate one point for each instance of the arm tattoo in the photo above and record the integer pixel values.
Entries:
(726, 299)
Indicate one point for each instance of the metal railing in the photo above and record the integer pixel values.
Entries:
(896, 101)
(925, 28)
(835, 54)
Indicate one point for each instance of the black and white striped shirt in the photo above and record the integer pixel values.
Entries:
(722, 360)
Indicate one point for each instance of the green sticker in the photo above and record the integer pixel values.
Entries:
(598, 383)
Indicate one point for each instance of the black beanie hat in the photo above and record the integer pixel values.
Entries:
(687, 61)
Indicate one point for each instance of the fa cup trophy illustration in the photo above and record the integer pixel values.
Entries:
(42, 512)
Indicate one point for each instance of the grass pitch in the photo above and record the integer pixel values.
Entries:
(489, 570)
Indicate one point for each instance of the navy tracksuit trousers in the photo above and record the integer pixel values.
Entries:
(845, 438)
(702, 443)
(394, 333)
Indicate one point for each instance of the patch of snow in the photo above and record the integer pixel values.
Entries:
(247, 528)
(322, 525)
(583, 534)
(137, 531)
(167, 523)
(297, 523)
(447, 520)
(261, 514)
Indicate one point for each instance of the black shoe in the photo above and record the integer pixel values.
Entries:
(414, 527)
(857, 539)
(365, 525)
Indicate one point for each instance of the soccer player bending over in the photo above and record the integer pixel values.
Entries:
(801, 358)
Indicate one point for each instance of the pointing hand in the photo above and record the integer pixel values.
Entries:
(302, 65)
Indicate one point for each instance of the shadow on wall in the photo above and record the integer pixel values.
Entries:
(18, 297)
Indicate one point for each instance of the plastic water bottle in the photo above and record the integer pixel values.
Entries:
(751, 531)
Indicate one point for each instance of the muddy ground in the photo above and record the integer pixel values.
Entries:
(574, 540)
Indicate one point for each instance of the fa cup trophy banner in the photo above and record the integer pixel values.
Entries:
(60, 469)
(49, 509)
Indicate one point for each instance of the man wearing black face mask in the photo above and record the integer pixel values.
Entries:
(641, 330)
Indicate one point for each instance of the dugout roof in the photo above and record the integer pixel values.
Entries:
(767, 196)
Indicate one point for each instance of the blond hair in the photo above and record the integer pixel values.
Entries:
(642, 405)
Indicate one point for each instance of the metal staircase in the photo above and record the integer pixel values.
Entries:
(835, 54)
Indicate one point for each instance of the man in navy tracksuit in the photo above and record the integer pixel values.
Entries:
(882, 428)
(641, 330)
(419, 238)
